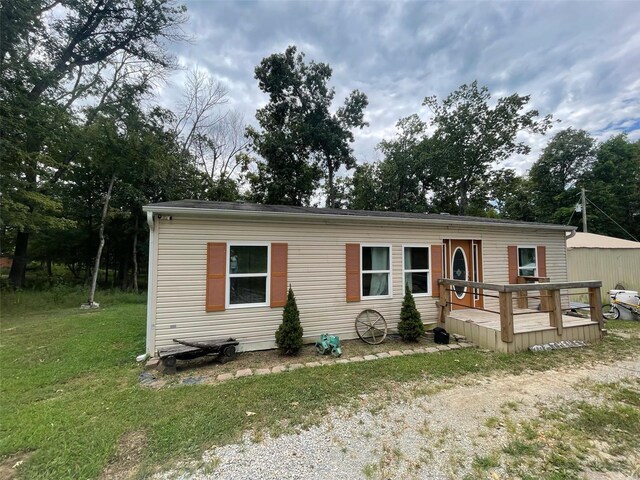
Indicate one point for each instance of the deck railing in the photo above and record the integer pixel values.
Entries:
(550, 300)
(523, 296)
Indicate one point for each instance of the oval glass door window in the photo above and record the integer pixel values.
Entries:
(459, 270)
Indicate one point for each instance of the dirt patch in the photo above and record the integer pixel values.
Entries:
(125, 463)
(10, 466)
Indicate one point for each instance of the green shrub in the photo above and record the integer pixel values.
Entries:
(410, 326)
(289, 333)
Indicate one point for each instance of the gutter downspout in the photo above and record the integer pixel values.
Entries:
(151, 287)
(571, 235)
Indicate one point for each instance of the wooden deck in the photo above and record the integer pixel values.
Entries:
(483, 328)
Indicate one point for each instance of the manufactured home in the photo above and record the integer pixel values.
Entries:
(222, 269)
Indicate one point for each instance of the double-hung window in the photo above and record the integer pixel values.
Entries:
(416, 270)
(376, 271)
(527, 262)
(248, 274)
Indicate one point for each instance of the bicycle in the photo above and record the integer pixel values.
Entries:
(612, 310)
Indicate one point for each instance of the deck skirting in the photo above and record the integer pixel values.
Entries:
(483, 329)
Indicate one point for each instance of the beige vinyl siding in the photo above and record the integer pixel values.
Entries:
(316, 272)
(611, 265)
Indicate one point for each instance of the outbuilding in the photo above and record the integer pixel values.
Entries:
(222, 269)
(613, 260)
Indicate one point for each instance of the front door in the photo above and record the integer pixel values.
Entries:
(461, 268)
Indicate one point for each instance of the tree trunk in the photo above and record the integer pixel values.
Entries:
(135, 257)
(96, 263)
(106, 266)
(124, 273)
(463, 200)
(19, 265)
(331, 194)
(49, 268)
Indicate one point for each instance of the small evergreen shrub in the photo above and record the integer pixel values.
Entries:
(410, 326)
(289, 333)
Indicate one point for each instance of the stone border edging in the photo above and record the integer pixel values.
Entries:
(248, 372)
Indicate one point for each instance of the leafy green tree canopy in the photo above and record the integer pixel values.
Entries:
(567, 156)
(50, 61)
(471, 136)
(300, 140)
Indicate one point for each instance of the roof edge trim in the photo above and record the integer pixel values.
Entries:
(445, 220)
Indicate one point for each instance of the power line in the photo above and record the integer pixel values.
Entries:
(605, 214)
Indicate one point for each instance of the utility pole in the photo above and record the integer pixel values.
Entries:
(584, 211)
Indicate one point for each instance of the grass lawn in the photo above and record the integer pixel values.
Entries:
(70, 392)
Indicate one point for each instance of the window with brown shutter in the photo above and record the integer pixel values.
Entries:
(353, 272)
(527, 261)
(279, 254)
(216, 281)
(436, 268)
(248, 274)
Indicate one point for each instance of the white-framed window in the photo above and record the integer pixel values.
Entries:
(527, 261)
(248, 274)
(375, 271)
(416, 269)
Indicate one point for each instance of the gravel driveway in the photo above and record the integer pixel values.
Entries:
(407, 436)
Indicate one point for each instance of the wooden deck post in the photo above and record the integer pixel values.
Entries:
(506, 316)
(595, 306)
(523, 296)
(546, 299)
(442, 304)
(555, 310)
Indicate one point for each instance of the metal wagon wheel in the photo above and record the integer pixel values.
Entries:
(610, 312)
(371, 327)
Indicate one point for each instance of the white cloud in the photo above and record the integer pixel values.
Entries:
(578, 60)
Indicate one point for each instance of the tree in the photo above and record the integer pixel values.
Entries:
(366, 188)
(401, 169)
(554, 176)
(299, 139)
(471, 136)
(613, 184)
(289, 333)
(74, 47)
(410, 326)
(215, 138)
(397, 182)
(511, 195)
(334, 140)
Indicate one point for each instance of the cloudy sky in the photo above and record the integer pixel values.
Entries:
(579, 61)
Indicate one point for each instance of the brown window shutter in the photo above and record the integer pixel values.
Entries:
(541, 259)
(216, 273)
(279, 257)
(353, 272)
(512, 255)
(436, 269)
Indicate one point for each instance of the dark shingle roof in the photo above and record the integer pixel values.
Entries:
(203, 206)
